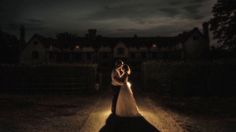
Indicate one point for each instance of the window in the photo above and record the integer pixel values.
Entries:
(104, 55)
(89, 56)
(154, 55)
(154, 45)
(120, 51)
(77, 56)
(51, 56)
(132, 55)
(143, 55)
(35, 55)
(77, 47)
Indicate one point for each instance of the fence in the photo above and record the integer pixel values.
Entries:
(48, 78)
(190, 78)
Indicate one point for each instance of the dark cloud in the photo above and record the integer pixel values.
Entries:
(169, 11)
(33, 20)
(111, 17)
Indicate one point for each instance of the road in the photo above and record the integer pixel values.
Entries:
(152, 114)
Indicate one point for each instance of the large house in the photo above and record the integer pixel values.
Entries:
(98, 49)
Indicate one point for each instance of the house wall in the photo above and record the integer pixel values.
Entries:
(106, 55)
(116, 52)
(37, 47)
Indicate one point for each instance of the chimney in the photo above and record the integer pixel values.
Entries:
(206, 34)
(205, 30)
(22, 36)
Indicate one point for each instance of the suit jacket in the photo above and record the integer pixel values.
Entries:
(116, 79)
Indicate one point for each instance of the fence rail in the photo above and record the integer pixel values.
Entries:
(51, 78)
(190, 78)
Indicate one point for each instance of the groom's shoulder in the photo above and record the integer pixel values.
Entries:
(114, 71)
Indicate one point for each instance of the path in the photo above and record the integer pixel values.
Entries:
(153, 114)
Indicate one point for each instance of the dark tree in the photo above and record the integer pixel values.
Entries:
(223, 23)
(9, 48)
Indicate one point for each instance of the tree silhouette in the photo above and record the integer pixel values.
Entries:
(9, 48)
(223, 23)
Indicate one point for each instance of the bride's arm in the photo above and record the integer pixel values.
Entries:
(124, 77)
(122, 74)
(118, 82)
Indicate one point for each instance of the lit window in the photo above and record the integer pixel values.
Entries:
(154, 45)
(77, 47)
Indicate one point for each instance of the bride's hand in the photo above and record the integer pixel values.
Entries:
(122, 72)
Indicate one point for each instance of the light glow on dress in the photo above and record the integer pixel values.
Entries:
(129, 84)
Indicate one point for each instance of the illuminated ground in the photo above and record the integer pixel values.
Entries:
(153, 114)
(70, 113)
(91, 113)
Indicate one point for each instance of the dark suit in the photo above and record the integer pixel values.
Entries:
(115, 90)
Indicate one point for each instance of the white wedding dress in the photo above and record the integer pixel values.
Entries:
(126, 105)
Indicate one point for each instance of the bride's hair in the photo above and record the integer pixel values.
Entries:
(126, 69)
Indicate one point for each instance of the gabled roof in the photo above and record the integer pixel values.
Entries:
(128, 41)
(100, 41)
(185, 35)
(44, 40)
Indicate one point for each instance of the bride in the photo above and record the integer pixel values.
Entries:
(126, 105)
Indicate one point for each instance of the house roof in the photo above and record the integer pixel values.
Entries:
(47, 42)
(129, 41)
(100, 41)
(185, 35)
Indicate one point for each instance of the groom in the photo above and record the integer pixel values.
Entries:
(116, 82)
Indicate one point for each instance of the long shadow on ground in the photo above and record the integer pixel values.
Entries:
(127, 124)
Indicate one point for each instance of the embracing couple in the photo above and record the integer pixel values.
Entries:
(123, 102)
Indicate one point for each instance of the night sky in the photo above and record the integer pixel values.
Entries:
(110, 17)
